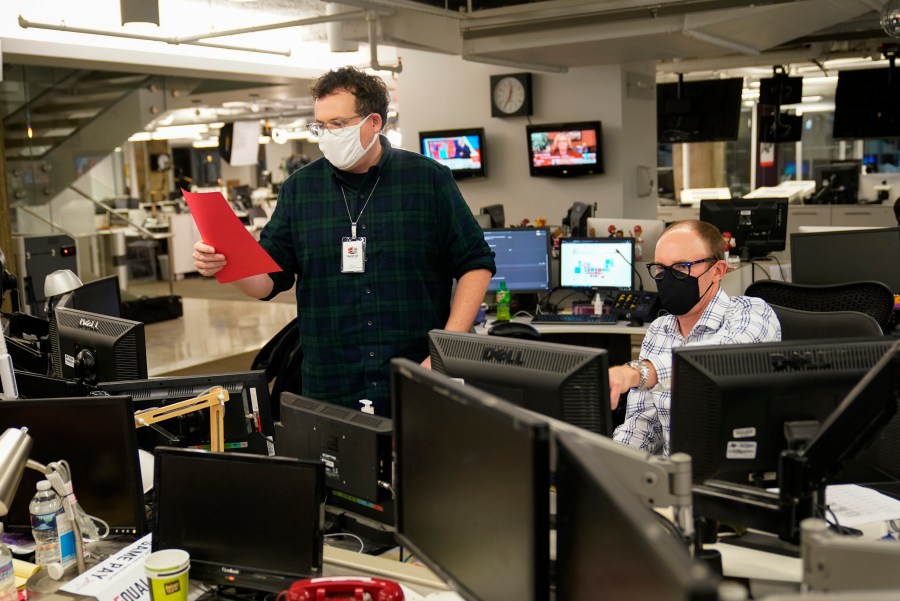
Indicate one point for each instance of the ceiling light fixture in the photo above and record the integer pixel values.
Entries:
(140, 11)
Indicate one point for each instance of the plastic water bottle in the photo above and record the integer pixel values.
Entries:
(8, 590)
(53, 535)
(503, 302)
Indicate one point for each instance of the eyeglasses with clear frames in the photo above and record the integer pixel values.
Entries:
(680, 271)
(335, 127)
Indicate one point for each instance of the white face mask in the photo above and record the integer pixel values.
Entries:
(345, 150)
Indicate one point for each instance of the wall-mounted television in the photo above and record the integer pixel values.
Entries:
(698, 111)
(867, 104)
(462, 150)
(565, 149)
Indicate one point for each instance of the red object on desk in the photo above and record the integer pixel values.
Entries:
(323, 589)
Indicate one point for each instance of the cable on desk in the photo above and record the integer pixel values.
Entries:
(754, 265)
(362, 544)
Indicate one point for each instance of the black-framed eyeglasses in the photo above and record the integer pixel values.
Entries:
(334, 127)
(680, 271)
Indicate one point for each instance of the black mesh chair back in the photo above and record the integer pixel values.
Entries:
(797, 324)
(870, 297)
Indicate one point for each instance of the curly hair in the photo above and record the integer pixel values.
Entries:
(371, 93)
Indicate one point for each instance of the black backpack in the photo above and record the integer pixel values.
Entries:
(281, 358)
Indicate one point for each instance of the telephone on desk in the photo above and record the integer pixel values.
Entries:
(320, 589)
(636, 306)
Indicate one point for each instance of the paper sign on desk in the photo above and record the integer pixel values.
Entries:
(120, 577)
(220, 228)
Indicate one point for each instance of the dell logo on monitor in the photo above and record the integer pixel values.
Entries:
(501, 355)
(88, 324)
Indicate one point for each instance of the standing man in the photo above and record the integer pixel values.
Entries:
(374, 237)
(688, 271)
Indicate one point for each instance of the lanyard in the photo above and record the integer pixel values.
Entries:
(353, 222)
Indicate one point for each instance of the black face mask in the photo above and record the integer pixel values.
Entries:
(679, 296)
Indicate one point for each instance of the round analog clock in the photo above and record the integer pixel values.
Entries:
(511, 95)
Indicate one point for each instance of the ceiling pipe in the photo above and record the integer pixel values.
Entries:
(347, 16)
(372, 22)
(25, 24)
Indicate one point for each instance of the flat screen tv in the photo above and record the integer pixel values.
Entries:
(698, 111)
(867, 104)
(565, 149)
(462, 150)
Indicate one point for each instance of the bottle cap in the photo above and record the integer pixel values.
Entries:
(55, 570)
(43, 485)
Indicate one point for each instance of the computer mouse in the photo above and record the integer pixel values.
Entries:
(514, 329)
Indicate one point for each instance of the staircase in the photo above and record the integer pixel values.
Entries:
(74, 120)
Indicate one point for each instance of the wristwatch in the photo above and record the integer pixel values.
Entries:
(643, 369)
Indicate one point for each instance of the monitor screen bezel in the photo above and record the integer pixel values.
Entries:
(494, 284)
(124, 409)
(529, 425)
(565, 243)
(222, 572)
(467, 132)
(566, 170)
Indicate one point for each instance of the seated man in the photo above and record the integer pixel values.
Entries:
(688, 271)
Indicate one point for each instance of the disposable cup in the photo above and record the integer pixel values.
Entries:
(167, 574)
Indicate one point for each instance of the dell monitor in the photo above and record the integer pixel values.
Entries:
(248, 521)
(566, 382)
(461, 150)
(596, 263)
(522, 256)
(731, 404)
(840, 256)
(96, 348)
(247, 418)
(473, 486)
(565, 149)
(758, 226)
(607, 541)
(96, 436)
(355, 448)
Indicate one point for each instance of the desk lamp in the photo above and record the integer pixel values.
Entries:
(58, 283)
(15, 447)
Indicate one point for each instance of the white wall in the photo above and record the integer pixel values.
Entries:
(439, 92)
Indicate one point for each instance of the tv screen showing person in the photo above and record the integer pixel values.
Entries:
(564, 148)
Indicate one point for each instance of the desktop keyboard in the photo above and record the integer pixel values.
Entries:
(587, 319)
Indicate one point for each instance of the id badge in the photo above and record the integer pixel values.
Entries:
(353, 255)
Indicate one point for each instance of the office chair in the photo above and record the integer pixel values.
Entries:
(869, 297)
(797, 324)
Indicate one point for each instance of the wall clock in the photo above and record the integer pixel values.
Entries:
(511, 95)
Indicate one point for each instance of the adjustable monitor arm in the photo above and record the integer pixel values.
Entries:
(214, 400)
(836, 562)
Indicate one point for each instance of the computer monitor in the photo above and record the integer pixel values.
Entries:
(650, 231)
(596, 263)
(498, 219)
(96, 348)
(577, 219)
(730, 404)
(101, 296)
(522, 256)
(96, 436)
(758, 226)
(247, 520)
(837, 183)
(473, 486)
(354, 446)
(607, 541)
(562, 381)
(247, 417)
(837, 257)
